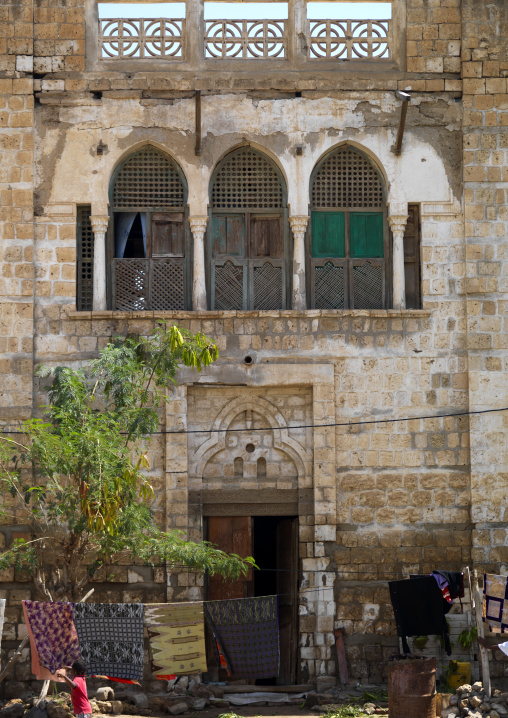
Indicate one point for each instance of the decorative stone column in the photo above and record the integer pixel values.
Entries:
(198, 228)
(398, 225)
(299, 225)
(99, 226)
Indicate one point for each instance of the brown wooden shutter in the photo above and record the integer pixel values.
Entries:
(266, 237)
(232, 534)
(412, 257)
(168, 236)
(84, 269)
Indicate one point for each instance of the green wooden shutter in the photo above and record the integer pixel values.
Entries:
(328, 234)
(366, 234)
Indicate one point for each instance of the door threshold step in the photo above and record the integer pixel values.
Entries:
(268, 689)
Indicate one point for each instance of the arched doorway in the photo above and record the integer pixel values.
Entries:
(348, 248)
(149, 245)
(248, 247)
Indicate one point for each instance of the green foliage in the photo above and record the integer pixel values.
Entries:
(81, 479)
(467, 637)
(420, 642)
(349, 710)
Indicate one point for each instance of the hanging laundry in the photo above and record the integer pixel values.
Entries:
(495, 602)
(418, 608)
(111, 638)
(177, 638)
(246, 631)
(444, 588)
(2, 617)
(53, 638)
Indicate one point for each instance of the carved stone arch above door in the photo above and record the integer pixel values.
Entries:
(254, 413)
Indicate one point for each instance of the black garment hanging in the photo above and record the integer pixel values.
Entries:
(418, 609)
(455, 581)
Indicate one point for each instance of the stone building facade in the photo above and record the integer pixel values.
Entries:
(259, 199)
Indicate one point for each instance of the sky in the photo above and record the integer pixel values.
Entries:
(251, 10)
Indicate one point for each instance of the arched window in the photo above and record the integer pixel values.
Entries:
(348, 246)
(248, 235)
(148, 238)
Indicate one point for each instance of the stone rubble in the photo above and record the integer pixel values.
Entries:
(472, 702)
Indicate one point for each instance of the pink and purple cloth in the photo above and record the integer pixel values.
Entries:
(52, 634)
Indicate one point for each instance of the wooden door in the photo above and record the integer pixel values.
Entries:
(287, 583)
(232, 534)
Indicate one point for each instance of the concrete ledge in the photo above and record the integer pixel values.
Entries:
(278, 314)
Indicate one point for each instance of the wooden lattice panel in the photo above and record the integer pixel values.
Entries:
(347, 179)
(85, 242)
(247, 180)
(228, 286)
(148, 179)
(268, 291)
(130, 284)
(368, 285)
(329, 286)
(167, 285)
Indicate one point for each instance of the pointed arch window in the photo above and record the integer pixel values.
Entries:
(148, 237)
(348, 248)
(248, 234)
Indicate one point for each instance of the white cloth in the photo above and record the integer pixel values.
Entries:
(503, 647)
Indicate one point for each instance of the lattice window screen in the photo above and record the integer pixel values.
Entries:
(347, 179)
(228, 286)
(247, 180)
(329, 289)
(268, 287)
(148, 179)
(368, 282)
(84, 269)
(167, 287)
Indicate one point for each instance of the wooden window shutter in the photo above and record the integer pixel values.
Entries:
(168, 236)
(412, 257)
(84, 259)
(328, 234)
(366, 234)
(228, 235)
(266, 238)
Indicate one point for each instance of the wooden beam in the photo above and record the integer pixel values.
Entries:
(397, 149)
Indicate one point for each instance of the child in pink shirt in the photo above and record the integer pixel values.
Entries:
(77, 684)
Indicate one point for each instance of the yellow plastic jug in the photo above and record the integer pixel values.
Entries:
(461, 675)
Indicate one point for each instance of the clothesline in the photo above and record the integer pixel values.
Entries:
(308, 426)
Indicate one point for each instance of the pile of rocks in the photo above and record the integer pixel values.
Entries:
(472, 702)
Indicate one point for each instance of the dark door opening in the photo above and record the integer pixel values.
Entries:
(273, 541)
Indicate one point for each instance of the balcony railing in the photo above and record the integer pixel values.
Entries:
(349, 39)
(160, 38)
(246, 39)
(164, 39)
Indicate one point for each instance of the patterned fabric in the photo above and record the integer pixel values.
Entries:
(177, 638)
(53, 636)
(495, 602)
(247, 634)
(2, 617)
(111, 638)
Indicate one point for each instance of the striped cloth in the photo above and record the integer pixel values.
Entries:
(177, 638)
(246, 631)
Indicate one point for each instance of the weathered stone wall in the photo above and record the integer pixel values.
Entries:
(386, 499)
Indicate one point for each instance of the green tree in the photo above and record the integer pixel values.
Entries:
(78, 479)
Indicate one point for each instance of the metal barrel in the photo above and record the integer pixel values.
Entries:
(412, 688)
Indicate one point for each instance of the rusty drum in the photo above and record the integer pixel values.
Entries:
(412, 688)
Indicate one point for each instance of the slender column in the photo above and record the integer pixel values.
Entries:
(299, 225)
(99, 226)
(398, 224)
(198, 228)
